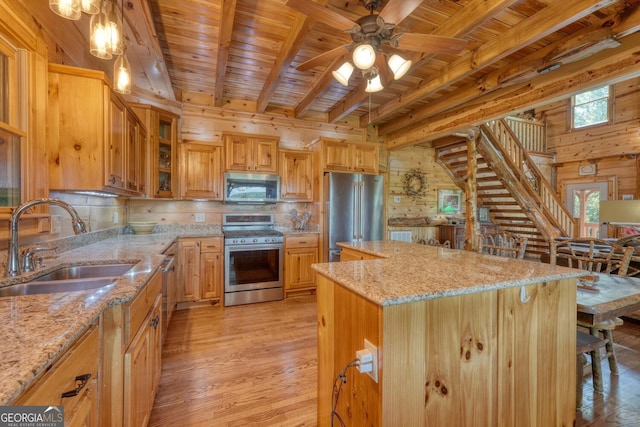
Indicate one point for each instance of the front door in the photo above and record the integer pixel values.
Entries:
(583, 201)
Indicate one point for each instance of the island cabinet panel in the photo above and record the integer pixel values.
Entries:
(480, 359)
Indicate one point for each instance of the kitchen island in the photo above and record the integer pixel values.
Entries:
(464, 339)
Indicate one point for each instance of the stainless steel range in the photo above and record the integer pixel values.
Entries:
(253, 259)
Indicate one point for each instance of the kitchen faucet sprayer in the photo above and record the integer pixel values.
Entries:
(14, 266)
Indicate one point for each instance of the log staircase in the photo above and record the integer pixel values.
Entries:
(508, 181)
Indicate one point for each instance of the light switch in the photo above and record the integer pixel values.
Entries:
(200, 217)
(396, 199)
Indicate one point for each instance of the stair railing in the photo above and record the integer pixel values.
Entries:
(530, 176)
(532, 134)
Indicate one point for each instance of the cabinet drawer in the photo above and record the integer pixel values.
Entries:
(80, 359)
(211, 244)
(137, 309)
(309, 241)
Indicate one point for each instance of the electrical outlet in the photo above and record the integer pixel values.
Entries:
(115, 218)
(200, 217)
(374, 351)
(56, 227)
(396, 199)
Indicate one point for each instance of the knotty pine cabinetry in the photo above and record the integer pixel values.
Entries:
(74, 375)
(347, 254)
(200, 270)
(343, 156)
(201, 171)
(456, 234)
(92, 135)
(251, 153)
(296, 175)
(162, 137)
(300, 253)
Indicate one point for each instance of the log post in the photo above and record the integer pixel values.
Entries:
(472, 228)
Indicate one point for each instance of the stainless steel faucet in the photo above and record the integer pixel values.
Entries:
(14, 266)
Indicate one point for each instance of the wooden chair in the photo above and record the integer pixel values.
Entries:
(436, 242)
(587, 343)
(596, 256)
(503, 244)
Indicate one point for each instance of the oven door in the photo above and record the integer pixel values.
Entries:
(251, 267)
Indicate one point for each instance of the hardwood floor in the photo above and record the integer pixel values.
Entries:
(256, 365)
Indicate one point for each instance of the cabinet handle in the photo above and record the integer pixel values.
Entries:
(523, 295)
(155, 321)
(81, 381)
(112, 180)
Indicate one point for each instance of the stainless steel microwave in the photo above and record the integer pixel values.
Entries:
(251, 188)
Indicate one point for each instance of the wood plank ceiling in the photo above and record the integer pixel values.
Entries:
(242, 54)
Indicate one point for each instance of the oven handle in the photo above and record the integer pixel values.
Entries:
(251, 247)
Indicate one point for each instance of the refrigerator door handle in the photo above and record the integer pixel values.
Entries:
(360, 212)
(355, 219)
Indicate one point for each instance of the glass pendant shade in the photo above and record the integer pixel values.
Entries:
(364, 56)
(69, 9)
(99, 42)
(399, 66)
(114, 31)
(122, 74)
(90, 7)
(343, 73)
(374, 84)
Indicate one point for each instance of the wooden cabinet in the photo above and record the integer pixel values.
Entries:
(89, 130)
(200, 171)
(251, 153)
(456, 233)
(348, 254)
(76, 372)
(296, 175)
(343, 156)
(300, 253)
(142, 357)
(200, 269)
(137, 155)
(161, 140)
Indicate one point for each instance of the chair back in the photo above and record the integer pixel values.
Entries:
(634, 264)
(594, 255)
(436, 242)
(503, 244)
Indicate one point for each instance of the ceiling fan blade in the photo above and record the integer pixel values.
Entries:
(429, 43)
(386, 76)
(324, 58)
(396, 10)
(320, 13)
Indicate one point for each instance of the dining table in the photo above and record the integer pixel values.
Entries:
(603, 297)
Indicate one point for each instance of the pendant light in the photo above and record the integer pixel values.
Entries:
(121, 68)
(99, 35)
(114, 29)
(69, 9)
(90, 7)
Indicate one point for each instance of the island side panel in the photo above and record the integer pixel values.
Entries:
(440, 362)
(537, 355)
(345, 319)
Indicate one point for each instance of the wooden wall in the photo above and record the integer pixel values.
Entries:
(612, 148)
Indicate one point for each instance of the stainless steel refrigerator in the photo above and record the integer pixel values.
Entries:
(354, 210)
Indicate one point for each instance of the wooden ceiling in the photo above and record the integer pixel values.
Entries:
(242, 55)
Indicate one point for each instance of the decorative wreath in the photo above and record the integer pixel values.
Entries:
(415, 184)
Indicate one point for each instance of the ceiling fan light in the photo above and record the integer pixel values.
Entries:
(374, 84)
(399, 66)
(69, 9)
(364, 56)
(343, 73)
(90, 7)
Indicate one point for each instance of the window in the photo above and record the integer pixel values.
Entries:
(591, 107)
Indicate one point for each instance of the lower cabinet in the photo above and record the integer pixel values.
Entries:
(300, 253)
(71, 382)
(200, 269)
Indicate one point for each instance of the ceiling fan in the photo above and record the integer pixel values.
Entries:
(374, 39)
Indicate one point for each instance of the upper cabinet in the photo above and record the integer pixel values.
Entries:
(296, 175)
(200, 171)
(89, 134)
(162, 137)
(343, 156)
(251, 153)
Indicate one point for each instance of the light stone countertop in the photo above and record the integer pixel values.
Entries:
(36, 329)
(411, 272)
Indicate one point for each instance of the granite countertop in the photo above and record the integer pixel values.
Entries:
(36, 329)
(409, 272)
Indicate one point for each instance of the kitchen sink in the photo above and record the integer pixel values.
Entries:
(85, 272)
(41, 287)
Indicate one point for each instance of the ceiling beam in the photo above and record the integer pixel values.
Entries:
(224, 41)
(552, 18)
(606, 67)
(297, 36)
(319, 88)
